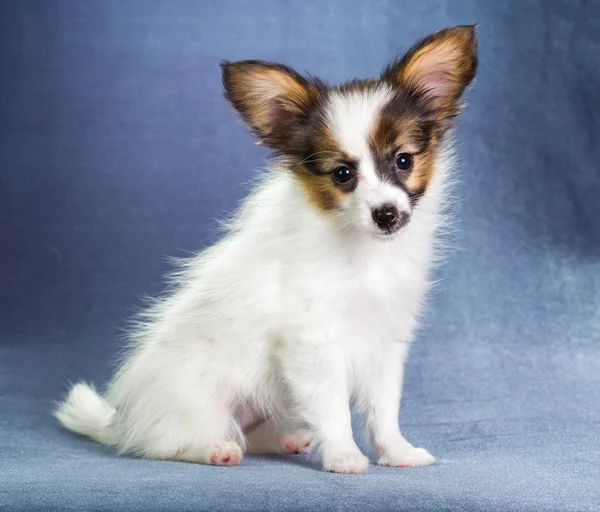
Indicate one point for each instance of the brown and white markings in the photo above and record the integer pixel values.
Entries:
(385, 129)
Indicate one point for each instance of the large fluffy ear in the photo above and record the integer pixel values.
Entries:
(272, 99)
(437, 70)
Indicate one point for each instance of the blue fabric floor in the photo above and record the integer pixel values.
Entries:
(117, 149)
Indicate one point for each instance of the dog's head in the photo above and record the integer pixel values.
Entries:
(364, 150)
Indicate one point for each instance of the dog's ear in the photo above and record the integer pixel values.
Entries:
(438, 69)
(272, 99)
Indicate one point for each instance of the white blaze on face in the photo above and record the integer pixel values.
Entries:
(352, 116)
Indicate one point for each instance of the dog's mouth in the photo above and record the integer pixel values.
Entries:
(387, 234)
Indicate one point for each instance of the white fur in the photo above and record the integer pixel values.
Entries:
(294, 312)
(86, 413)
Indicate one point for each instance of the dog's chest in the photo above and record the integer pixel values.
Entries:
(352, 289)
(369, 292)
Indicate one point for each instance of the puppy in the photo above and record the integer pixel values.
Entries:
(311, 299)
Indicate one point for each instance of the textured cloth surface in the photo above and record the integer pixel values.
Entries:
(117, 149)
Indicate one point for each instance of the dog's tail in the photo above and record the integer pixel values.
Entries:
(85, 412)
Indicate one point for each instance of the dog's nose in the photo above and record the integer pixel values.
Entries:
(387, 216)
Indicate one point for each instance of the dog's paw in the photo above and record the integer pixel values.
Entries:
(296, 441)
(406, 457)
(349, 462)
(226, 453)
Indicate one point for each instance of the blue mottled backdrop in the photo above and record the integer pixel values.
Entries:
(117, 149)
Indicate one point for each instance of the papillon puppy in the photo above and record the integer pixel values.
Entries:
(310, 301)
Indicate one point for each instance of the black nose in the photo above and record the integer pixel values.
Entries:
(387, 216)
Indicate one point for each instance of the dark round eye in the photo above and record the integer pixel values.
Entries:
(404, 161)
(342, 174)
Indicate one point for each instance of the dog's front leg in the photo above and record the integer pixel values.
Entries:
(315, 372)
(381, 405)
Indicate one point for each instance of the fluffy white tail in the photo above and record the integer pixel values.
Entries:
(84, 411)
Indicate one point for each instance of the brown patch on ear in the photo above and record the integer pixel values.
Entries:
(272, 99)
(437, 70)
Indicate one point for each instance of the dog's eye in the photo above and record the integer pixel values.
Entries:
(404, 161)
(342, 174)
